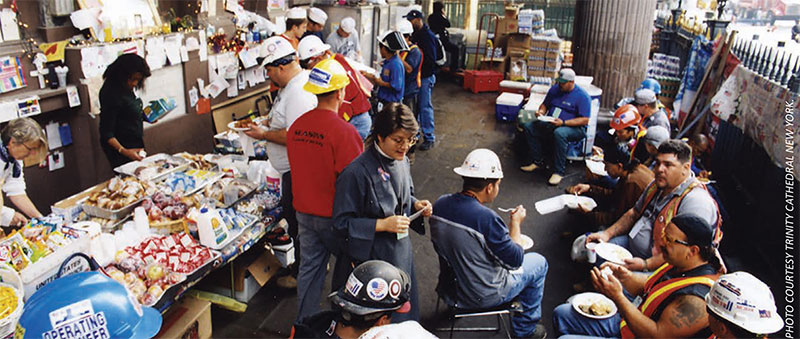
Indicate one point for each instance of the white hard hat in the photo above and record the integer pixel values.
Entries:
(317, 15)
(311, 46)
(348, 25)
(296, 13)
(480, 163)
(745, 301)
(405, 27)
(277, 47)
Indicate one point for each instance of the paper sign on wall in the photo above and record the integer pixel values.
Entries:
(55, 161)
(8, 24)
(28, 106)
(53, 135)
(73, 96)
(193, 96)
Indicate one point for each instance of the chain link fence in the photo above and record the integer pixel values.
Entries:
(559, 14)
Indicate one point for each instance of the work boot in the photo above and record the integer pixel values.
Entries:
(529, 168)
(555, 179)
(287, 281)
(539, 333)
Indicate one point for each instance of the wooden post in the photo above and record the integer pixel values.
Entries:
(471, 14)
(612, 44)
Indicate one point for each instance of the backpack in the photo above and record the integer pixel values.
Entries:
(441, 55)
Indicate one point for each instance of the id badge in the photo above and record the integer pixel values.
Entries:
(556, 112)
(637, 301)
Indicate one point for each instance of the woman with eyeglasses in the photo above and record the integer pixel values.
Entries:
(22, 139)
(375, 201)
(121, 114)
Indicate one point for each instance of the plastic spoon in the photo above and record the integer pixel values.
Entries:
(506, 210)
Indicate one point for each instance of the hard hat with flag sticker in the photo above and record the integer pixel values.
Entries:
(328, 75)
(86, 305)
(481, 163)
(626, 116)
(277, 48)
(311, 46)
(743, 300)
(374, 287)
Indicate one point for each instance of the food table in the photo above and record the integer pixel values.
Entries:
(145, 228)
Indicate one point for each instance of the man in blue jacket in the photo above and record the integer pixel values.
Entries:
(503, 272)
(424, 38)
(561, 119)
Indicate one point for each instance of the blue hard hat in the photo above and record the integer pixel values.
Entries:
(652, 85)
(87, 304)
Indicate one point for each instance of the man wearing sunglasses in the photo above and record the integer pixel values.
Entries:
(669, 303)
(652, 115)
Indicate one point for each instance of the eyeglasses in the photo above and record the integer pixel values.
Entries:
(669, 240)
(400, 141)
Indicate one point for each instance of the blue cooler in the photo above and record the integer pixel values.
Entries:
(507, 106)
(577, 150)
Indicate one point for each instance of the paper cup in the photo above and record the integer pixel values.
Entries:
(591, 255)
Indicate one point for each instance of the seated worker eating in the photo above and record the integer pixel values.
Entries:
(633, 178)
(498, 270)
(674, 192)
(568, 108)
(670, 302)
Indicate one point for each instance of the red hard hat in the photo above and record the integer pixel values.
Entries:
(625, 116)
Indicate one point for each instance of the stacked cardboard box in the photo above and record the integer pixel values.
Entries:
(544, 57)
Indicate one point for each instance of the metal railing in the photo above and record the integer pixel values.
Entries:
(775, 64)
(559, 14)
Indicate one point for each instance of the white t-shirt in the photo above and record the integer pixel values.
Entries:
(11, 187)
(349, 46)
(292, 102)
(408, 329)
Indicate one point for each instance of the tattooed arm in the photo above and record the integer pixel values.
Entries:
(682, 318)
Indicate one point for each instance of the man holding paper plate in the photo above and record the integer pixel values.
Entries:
(561, 119)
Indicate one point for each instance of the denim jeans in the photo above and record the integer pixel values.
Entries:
(567, 321)
(318, 240)
(289, 214)
(538, 132)
(426, 107)
(527, 288)
(362, 123)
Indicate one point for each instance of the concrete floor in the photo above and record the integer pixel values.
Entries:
(464, 121)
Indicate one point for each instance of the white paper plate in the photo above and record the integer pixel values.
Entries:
(573, 201)
(613, 252)
(232, 125)
(546, 118)
(596, 167)
(589, 298)
(527, 242)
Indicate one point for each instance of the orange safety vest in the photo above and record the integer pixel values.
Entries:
(665, 215)
(403, 56)
(657, 293)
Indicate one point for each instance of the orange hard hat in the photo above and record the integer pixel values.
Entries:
(625, 116)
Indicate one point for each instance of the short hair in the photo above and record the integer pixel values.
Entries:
(438, 6)
(124, 67)
(476, 184)
(394, 116)
(23, 130)
(291, 23)
(615, 155)
(681, 150)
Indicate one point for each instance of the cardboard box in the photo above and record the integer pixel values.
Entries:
(71, 207)
(519, 41)
(189, 318)
(551, 54)
(248, 276)
(537, 53)
(540, 43)
(537, 63)
(551, 64)
(507, 26)
(554, 44)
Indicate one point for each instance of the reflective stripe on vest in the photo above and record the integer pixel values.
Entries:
(660, 292)
(670, 209)
(419, 68)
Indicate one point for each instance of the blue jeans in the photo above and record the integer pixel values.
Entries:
(426, 107)
(527, 288)
(538, 132)
(567, 321)
(362, 123)
(317, 240)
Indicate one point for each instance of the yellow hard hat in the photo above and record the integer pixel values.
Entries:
(327, 76)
